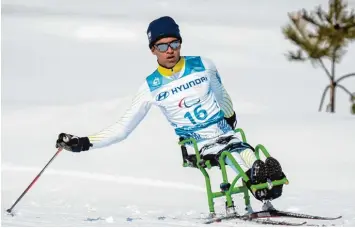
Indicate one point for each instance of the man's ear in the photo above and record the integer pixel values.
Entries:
(152, 50)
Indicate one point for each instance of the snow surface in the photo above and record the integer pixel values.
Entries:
(73, 66)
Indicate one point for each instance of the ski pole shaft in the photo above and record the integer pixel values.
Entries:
(34, 181)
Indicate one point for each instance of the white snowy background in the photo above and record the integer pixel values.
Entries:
(74, 65)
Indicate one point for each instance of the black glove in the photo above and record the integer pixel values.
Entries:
(232, 121)
(73, 143)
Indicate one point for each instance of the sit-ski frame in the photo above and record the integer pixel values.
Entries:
(233, 189)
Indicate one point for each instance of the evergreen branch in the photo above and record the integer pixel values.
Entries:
(293, 33)
(296, 22)
(321, 14)
(312, 19)
(346, 90)
(299, 35)
(344, 76)
(292, 56)
(339, 9)
(323, 96)
(325, 69)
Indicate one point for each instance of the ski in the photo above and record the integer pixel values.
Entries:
(274, 222)
(277, 213)
(254, 219)
(269, 214)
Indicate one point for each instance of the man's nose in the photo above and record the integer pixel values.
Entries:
(170, 50)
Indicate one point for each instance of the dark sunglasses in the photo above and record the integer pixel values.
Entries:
(163, 47)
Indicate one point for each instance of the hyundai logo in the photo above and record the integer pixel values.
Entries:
(162, 96)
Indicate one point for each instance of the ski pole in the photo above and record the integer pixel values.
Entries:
(34, 181)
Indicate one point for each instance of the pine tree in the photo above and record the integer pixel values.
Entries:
(323, 35)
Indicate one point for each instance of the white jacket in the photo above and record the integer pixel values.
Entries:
(191, 96)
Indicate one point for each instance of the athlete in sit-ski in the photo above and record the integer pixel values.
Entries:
(189, 92)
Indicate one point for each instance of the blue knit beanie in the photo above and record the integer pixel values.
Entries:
(161, 28)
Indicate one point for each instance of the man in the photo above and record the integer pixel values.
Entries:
(190, 93)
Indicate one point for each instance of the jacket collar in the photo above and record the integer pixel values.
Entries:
(177, 68)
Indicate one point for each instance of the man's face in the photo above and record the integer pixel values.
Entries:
(167, 51)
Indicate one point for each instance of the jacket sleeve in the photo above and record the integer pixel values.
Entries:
(218, 89)
(122, 128)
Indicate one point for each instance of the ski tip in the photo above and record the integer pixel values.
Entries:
(331, 218)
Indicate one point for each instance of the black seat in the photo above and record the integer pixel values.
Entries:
(190, 160)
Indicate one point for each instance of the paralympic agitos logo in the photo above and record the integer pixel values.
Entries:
(165, 94)
(188, 104)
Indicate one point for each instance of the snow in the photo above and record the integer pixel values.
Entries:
(73, 66)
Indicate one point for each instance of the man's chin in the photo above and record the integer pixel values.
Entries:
(172, 61)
